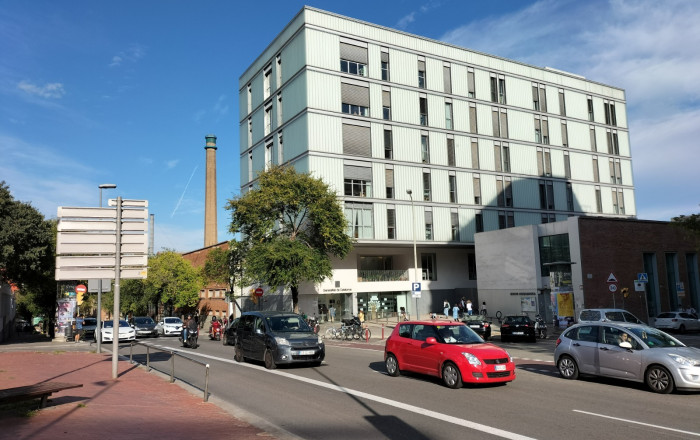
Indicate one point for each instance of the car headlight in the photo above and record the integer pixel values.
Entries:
(682, 360)
(473, 360)
(510, 358)
(281, 341)
(320, 340)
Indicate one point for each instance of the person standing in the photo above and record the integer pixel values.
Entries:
(483, 308)
(78, 327)
(455, 312)
(446, 309)
(361, 315)
(331, 311)
(469, 307)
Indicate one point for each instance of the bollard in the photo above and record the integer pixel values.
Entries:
(148, 358)
(172, 367)
(382, 331)
(131, 353)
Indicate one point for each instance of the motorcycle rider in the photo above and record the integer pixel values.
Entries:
(215, 326)
(190, 327)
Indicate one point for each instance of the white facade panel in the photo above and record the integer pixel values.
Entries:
(380, 221)
(489, 190)
(559, 196)
(557, 163)
(377, 139)
(258, 160)
(487, 158)
(623, 141)
(258, 119)
(324, 93)
(601, 140)
(518, 93)
(483, 120)
(374, 60)
(465, 188)
(460, 85)
(521, 126)
(294, 96)
(406, 144)
(330, 170)
(322, 50)
(404, 224)
(581, 166)
(405, 106)
(527, 218)
(523, 159)
(460, 115)
(576, 105)
(579, 135)
(598, 110)
(405, 178)
(296, 137)
(462, 152)
(442, 224)
(243, 103)
(630, 204)
(555, 132)
(433, 74)
(440, 186)
(438, 148)
(526, 193)
(243, 136)
(403, 67)
(626, 170)
(379, 181)
(375, 101)
(482, 85)
(325, 133)
(621, 114)
(585, 194)
(467, 226)
(243, 170)
(490, 221)
(436, 110)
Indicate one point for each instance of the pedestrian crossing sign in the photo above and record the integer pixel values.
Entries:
(642, 277)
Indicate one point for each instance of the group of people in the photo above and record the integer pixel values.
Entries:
(464, 306)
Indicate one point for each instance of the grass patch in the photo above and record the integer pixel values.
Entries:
(26, 408)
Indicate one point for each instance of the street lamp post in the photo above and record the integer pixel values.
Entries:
(415, 256)
(99, 283)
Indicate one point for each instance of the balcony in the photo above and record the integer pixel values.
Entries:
(382, 275)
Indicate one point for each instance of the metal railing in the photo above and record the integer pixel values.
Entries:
(382, 275)
(173, 353)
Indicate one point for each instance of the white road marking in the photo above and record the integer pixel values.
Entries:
(404, 406)
(697, 434)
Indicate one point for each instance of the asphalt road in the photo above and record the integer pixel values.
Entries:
(351, 397)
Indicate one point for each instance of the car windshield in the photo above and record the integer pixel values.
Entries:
(518, 320)
(289, 323)
(110, 324)
(654, 338)
(458, 334)
(173, 321)
(89, 321)
(477, 318)
(143, 320)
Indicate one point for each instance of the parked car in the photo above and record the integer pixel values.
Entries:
(605, 315)
(677, 321)
(518, 327)
(277, 338)
(89, 327)
(628, 351)
(126, 333)
(448, 350)
(479, 324)
(230, 332)
(169, 326)
(145, 326)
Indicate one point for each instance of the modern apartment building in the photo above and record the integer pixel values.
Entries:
(427, 143)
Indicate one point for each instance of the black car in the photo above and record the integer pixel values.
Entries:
(144, 326)
(230, 332)
(518, 327)
(89, 326)
(277, 338)
(479, 324)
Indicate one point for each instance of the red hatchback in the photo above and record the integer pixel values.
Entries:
(446, 349)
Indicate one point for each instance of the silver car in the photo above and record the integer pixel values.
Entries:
(628, 351)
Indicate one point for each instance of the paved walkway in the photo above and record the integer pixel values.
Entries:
(137, 405)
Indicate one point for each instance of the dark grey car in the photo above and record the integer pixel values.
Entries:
(628, 351)
(144, 326)
(277, 338)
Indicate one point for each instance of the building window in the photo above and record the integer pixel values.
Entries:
(454, 222)
(610, 118)
(250, 98)
(598, 200)
(546, 194)
(541, 131)
(386, 105)
(553, 249)
(385, 64)
(391, 223)
(613, 144)
(250, 132)
(279, 110)
(268, 119)
(505, 156)
(498, 89)
(544, 162)
(590, 109)
(268, 155)
(500, 122)
(280, 148)
(357, 140)
(448, 115)
(569, 197)
(621, 201)
(423, 104)
(426, 186)
(539, 98)
(358, 181)
(450, 152)
(475, 154)
(596, 172)
(267, 80)
(353, 67)
(427, 263)
(472, 118)
(562, 103)
(355, 99)
(389, 182)
(615, 171)
(353, 59)
(567, 166)
(279, 70)
(421, 74)
(471, 265)
(250, 166)
(388, 145)
(453, 188)
(548, 217)
(447, 79)
(471, 89)
(506, 219)
(359, 218)
(477, 189)
(504, 192)
(614, 201)
(479, 222)
(591, 130)
(428, 215)
(357, 110)
(425, 148)
(564, 135)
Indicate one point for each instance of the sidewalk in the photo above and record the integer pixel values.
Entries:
(137, 405)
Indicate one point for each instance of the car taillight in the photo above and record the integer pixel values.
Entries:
(505, 325)
(486, 324)
(674, 320)
(558, 342)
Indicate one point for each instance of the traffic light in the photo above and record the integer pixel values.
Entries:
(79, 298)
(625, 292)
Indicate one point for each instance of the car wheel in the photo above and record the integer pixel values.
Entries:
(567, 368)
(238, 354)
(269, 360)
(392, 366)
(451, 376)
(224, 339)
(659, 379)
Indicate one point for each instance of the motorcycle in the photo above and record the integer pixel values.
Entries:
(191, 341)
(540, 327)
(215, 333)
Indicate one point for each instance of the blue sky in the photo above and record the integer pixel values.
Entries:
(124, 92)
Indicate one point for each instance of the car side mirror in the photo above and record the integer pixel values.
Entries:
(258, 331)
(626, 345)
(431, 340)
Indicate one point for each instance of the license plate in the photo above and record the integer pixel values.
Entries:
(306, 352)
(475, 326)
(518, 333)
(500, 367)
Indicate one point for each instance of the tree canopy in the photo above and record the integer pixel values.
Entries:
(173, 281)
(291, 223)
(691, 224)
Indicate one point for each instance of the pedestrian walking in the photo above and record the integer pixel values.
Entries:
(331, 311)
(446, 307)
(469, 307)
(78, 327)
(455, 312)
(483, 308)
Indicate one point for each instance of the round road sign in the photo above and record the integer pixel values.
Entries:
(612, 288)
(80, 288)
(259, 291)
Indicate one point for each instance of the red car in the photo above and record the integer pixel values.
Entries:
(448, 350)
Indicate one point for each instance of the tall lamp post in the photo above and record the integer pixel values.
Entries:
(99, 283)
(415, 256)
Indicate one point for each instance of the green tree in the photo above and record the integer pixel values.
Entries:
(691, 224)
(173, 281)
(292, 224)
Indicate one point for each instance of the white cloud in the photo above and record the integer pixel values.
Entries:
(132, 54)
(172, 163)
(50, 90)
(406, 20)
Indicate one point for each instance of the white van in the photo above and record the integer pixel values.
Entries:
(598, 315)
